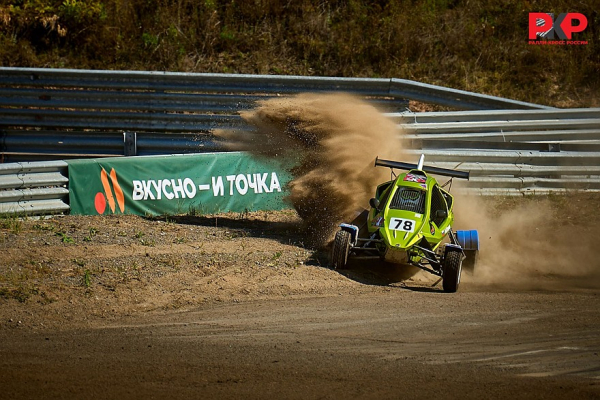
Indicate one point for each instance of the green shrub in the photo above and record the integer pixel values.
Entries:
(479, 45)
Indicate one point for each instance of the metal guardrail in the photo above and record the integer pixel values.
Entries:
(59, 114)
(70, 110)
(511, 152)
(34, 188)
(178, 82)
(494, 115)
(455, 98)
(516, 162)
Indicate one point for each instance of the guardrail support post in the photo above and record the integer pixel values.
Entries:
(130, 143)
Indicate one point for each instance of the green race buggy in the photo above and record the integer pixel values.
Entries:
(409, 219)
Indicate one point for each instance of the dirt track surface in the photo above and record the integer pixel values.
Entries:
(239, 307)
(396, 344)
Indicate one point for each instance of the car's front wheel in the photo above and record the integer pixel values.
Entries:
(451, 271)
(340, 250)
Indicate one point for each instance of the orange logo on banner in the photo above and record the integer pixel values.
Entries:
(100, 200)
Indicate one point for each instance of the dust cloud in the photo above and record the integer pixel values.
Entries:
(332, 140)
(535, 243)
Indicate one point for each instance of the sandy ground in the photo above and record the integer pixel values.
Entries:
(237, 306)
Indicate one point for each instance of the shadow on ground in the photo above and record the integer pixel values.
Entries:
(371, 272)
(375, 272)
(286, 232)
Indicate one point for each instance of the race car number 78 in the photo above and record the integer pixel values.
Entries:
(402, 224)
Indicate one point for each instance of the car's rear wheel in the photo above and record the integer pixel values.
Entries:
(452, 269)
(340, 250)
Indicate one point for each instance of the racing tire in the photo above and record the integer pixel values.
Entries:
(340, 250)
(470, 261)
(452, 269)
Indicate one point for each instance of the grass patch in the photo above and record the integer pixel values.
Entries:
(21, 294)
(92, 232)
(65, 238)
(87, 278)
(12, 223)
(146, 242)
(45, 227)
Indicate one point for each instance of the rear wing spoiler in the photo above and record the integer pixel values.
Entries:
(425, 168)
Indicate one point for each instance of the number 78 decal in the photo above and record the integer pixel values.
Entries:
(402, 224)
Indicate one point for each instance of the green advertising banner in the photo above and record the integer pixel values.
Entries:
(176, 184)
